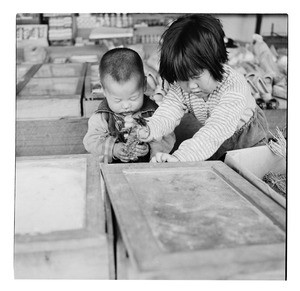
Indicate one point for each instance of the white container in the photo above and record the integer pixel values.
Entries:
(254, 163)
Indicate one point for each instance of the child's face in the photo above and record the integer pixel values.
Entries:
(123, 97)
(204, 84)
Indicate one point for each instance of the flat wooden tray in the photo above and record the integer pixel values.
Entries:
(24, 73)
(61, 70)
(50, 98)
(38, 88)
(196, 221)
(57, 203)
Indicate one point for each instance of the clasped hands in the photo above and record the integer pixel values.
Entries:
(144, 136)
(122, 155)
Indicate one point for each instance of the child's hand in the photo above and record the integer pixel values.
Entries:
(163, 158)
(142, 131)
(142, 150)
(118, 152)
(129, 121)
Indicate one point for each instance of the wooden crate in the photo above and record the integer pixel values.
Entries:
(61, 70)
(50, 98)
(254, 163)
(191, 221)
(59, 218)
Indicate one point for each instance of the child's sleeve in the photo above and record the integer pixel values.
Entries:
(168, 115)
(98, 140)
(220, 126)
(165, 145)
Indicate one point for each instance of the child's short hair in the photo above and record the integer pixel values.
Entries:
(121, 64)
(193, 43)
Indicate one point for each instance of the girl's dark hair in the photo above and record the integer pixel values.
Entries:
(121, 64)
(193, 43)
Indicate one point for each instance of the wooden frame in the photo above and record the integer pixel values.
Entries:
(92, 232)
(149, 261)
(51, 70)
(29, 74)
(60, 103)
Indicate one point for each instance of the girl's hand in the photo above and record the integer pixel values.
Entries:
(143, 132)
(163, 158)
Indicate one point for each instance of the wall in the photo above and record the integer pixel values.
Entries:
(242, 26)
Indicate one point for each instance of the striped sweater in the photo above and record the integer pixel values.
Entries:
(227, 108)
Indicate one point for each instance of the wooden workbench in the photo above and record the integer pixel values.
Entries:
(190, 221)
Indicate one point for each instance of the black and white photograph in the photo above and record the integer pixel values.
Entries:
(151, 145)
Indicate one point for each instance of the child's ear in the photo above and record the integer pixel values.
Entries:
(101, 88)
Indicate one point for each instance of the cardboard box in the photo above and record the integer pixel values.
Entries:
(253, 164)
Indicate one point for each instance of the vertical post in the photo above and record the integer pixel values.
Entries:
(258, 23)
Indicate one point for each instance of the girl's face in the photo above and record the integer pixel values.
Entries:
(201, 85)
(123, 97)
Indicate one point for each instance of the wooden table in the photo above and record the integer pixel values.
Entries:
(190, 221)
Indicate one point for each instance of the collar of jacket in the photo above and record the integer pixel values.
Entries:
(148, 106)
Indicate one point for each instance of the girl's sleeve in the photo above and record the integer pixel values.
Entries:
(168, 115)
(98, 140)
(220, 126)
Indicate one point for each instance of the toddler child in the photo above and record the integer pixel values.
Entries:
(123, 81)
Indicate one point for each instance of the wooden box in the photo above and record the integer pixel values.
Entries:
(254, 163)
(191, 221)
(59, 218)
(50, 98)
(61, 70)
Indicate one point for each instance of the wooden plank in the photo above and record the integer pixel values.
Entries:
(29, 74)
(69, 51)
(195, 215)
(50, 137)
(61, 70)
(44, 179)
(111, 238)
(50, 108)
(86, 263)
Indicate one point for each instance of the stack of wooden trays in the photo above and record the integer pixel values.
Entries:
(53, 92)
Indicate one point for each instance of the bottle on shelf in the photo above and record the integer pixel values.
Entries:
(118, 20)
(113, 20)
(106, 20)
